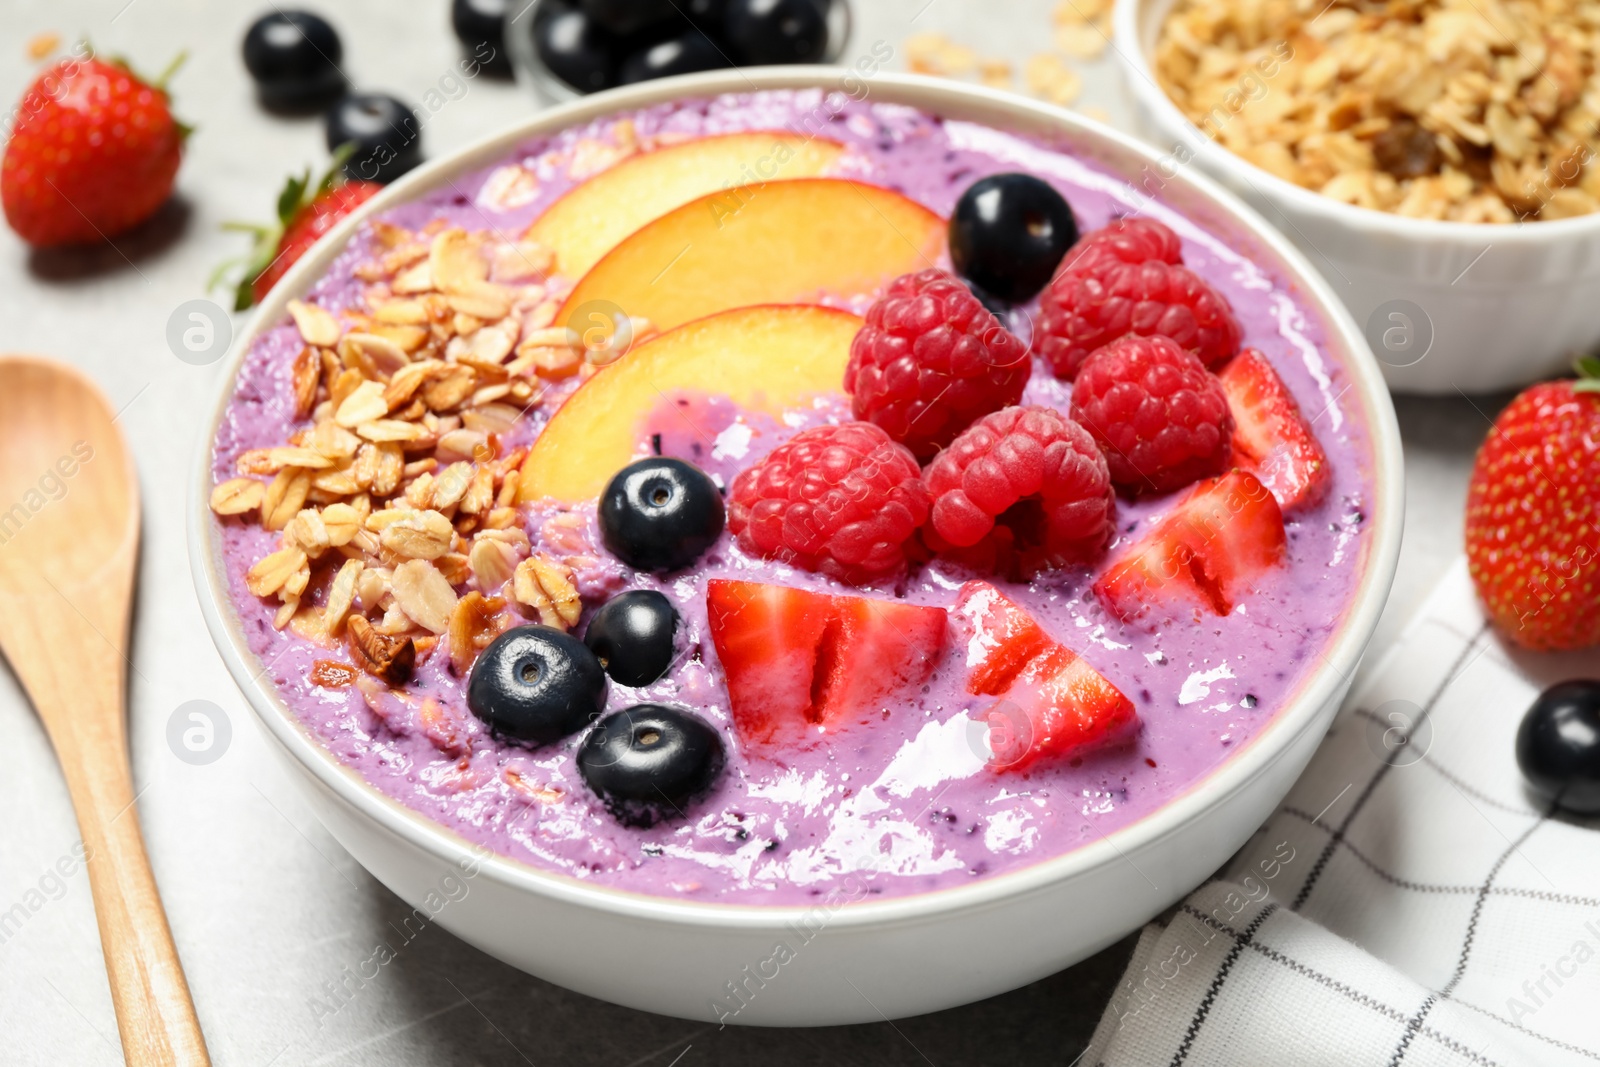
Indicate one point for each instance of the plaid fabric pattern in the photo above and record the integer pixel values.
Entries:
(1410, 902)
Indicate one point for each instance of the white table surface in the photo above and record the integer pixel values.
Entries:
(266, 908)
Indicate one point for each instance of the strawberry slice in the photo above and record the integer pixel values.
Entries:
(795, 660)
(1003, 638)
(1053, 704)
(1058, 707)
(1207, 550)
(878, 648)
(767, 637)
(1271, 438)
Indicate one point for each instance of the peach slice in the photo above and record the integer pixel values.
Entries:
(592, 218)
(765, 358)
(781, 243)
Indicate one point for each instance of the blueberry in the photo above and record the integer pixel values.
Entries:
(632, 636)
(574, 48)
(480, 26)
(628, 16)
(1008, 234)
(1558, 746)
(684, 54)
(705, 15)
(384, 131)
(648, 761)
(777, 31)
(536, 684)
(660, 514)
(294, 58)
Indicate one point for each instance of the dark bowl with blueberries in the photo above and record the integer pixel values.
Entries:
(567, 48)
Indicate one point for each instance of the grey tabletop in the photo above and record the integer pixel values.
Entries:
(267, 910)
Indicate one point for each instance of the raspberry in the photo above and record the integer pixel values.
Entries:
(930, 359)
(1130, 240)
(1127, 279)
(1027, 477)
(1160, 416)
(843, 500)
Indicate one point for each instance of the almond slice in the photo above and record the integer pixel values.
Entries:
(363, 405)
(341, 595)
(493, 564)
(304, 375)
(457, 263)
(391, 430)
(385, 356)
(316, 324)
(417, 278)
(237, 496)
(419, 535)
(271, 572)
(546, 586)
(424, 595)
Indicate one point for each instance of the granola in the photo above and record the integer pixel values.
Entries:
(1460, 110)
(393, 495)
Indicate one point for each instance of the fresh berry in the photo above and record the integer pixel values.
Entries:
(1100, 296)
(1128, 240)
(1271, 438)
(798, 662)
(931, 359)
(776, 31)
(536, 685)
(687, 53)
(1053, 705)
(1205, 554)
(1002, 638)
(843, 500)
(1160, 417)
(480, 26)
(1008, 233)
(1532, 509)
(93, 153)
(386, 136)
(573, 47)
(1033, 471)
(1558, 746)
(628, 16)
(294, 58)
(632, 635)
(648, 762)
(305, 213)
(660, 514)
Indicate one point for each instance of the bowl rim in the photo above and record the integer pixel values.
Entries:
(1127, 42)
(1340, 655)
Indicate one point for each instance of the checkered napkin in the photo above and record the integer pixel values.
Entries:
(1410, 903)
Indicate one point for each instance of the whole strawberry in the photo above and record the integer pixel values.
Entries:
(1533, 515)
(305, 213)
(93, 153)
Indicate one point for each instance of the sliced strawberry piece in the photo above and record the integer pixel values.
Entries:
(1206, 550)
(1053, 703)
(874, 650)
(794, 659)
(767, 637)
(1002, 637)
(1058, 706)
(1271, 438)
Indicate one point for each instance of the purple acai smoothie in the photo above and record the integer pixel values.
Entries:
(904, 804)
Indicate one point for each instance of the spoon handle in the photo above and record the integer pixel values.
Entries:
(154, 1012)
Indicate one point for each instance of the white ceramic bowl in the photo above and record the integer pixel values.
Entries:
(861, 961)
(1446, 306)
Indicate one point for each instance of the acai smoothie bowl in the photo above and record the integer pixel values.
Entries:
(730, 536)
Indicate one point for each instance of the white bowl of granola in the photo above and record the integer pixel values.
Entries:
(1407, 159)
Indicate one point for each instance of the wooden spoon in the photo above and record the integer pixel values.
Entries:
(69, 535)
